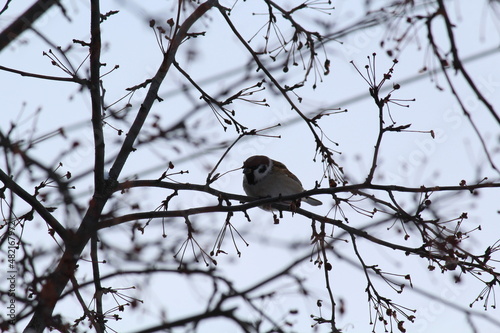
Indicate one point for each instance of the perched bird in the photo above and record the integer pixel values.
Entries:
(264, 177)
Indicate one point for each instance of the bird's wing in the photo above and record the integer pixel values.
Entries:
(281, 166)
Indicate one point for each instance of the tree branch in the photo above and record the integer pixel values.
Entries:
(457, 62)
(95, 96)
(35, 204)
(329, 190)
(192, 319)
(326, 154)
(74, 78)
(443, 64)
(56, 281)
(25, 21)
(152, 94)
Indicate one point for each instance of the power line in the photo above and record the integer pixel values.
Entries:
(238, 71)
(349, 100)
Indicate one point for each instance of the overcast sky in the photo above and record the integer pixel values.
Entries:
(408, 159)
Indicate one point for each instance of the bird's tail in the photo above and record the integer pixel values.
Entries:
(312, 201)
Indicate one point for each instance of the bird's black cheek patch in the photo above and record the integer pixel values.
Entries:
(262, 168)
(250, 178)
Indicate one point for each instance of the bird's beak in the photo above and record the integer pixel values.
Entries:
(247, 171)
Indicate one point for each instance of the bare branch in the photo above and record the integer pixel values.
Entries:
(157, 80)
(33, 202)
(25, 21)
(75, 78)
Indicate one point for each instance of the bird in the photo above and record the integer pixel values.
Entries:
(264, 177)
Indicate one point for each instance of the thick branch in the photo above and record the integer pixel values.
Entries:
(56, 281)
(95, 96)
(331, 190)
(189, 320)
(243, 207)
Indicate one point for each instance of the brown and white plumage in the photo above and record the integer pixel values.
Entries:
(264, 177)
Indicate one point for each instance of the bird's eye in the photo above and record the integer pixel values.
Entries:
(262, 168)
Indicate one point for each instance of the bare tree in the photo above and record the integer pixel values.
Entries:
(75, 230)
